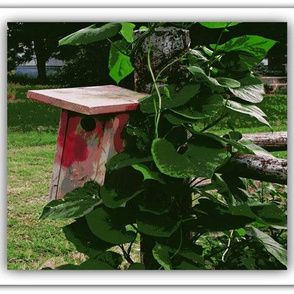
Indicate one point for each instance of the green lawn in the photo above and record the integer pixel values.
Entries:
(32, 130)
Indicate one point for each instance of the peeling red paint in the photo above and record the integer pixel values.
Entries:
(76, 149)
(77, 142)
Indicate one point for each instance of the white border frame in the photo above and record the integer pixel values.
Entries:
(149, 3)
(282, 277)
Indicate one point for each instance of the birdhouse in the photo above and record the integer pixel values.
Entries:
(90, 132)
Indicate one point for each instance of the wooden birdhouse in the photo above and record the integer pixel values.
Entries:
(88, 135)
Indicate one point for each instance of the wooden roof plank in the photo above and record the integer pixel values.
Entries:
(90, 100)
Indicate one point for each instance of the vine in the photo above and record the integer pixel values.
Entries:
(172, 184)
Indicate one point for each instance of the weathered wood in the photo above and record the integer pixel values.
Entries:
(262, 168)
(84, 145)
(276, 141)
(90, 100)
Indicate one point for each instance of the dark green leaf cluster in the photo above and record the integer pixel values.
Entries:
(166, 187)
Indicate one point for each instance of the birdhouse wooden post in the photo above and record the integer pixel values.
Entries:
(90, 127)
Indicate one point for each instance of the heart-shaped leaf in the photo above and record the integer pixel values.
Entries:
(254, 45)
(202, 157)
(119, 64)
(127, 31)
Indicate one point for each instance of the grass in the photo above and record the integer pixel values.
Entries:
(33, 244)
(31, 137)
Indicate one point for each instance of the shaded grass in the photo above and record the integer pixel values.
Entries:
(20, 91)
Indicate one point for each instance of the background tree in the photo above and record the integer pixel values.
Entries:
(27, 41)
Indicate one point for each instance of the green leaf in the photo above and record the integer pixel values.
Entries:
(223, 219)
(236, 186)
(201, 158)
(175, 119)
(218, 25)
(238, 61)
(155, 199)
(256, 46)
(91, 34)
(127, 31)
(170, 98)
(187, 250)
(109, 225)
(251, 90)
(162, 256)
(199, 74)
(106, 261)
(196, 57)
(123, 159)
(148, 174)
(119, 64)
(269, 213)
(269, 244)
(200, 107)
(228, 83)
(74, 204)
(156, 225)
(84, 240)
(121, 186)
(242, 148)
(137, 266)
(255, 149)
(251, 110)
(185, 265)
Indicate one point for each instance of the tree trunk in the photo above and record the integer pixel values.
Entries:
(276, 141)
(41, 60)
(167, 45)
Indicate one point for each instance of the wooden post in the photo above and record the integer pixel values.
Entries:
(166, 44)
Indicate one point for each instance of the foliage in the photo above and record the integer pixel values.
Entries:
(39, 41)
(153, 188)
(85, 68)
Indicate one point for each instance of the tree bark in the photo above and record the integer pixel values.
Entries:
(276, 141)
(262, 168)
